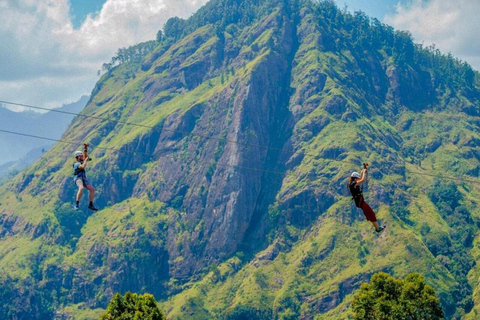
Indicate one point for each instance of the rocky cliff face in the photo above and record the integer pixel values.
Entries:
(220, 162)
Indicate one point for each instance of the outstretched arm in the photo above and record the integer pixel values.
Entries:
(362, 177)
(85, 157)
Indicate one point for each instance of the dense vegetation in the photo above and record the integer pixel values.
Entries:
(133, 54)
(386, 297)
(132, 306)
(197, 211)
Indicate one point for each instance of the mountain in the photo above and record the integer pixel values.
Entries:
(49, 124)
(12, 168)
(221, 159)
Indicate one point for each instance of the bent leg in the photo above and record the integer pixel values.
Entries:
(91, 190)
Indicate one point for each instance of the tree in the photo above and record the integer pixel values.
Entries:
(160, 36)
(107, 67)
(133, 306)
(174, 28)
(386, 297)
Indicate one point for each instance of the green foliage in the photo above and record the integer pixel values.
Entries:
(193, 310)
(174, 28)
(210, 171)
(26, 300)
(134, 54)
(160, 36)
(243, 312)
(133, 306)
(450, 249)
(364, 33)
(177, 202)
(70, 220)
(230, 16)
(386, 297)
(445, 196)
(343, 55)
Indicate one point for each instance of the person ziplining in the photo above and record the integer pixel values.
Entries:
(80, 178)
(355, 185)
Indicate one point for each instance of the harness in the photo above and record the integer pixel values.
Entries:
(357, 194)
(356, 191)
(78, 173)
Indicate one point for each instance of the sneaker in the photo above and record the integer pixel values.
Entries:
(91, 207)
(380, 229)
(76, 208)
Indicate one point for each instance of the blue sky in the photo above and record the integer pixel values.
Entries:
(80, 8)
(54, 55)
(373, 8)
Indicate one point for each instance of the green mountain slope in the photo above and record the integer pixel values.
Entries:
(197, 211)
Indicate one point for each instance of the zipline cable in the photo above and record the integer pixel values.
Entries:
(234, 166)
(292, 152)
(137, 152)
(148, 127)
(63, 141)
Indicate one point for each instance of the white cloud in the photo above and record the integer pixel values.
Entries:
(45, 61)
(451, 25)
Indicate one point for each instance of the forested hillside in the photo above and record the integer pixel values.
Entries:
(221, 156)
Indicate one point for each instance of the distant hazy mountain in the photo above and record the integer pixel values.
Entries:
(11, 168)
(50, 125)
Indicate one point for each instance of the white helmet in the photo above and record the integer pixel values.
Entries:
(78, 153)
(355, 174)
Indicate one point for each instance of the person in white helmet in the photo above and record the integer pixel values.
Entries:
(354, 183)
(80, 178)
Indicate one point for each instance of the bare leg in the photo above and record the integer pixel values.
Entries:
(80, 189)
(375, 224)
(79, 193)
(91, 194)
